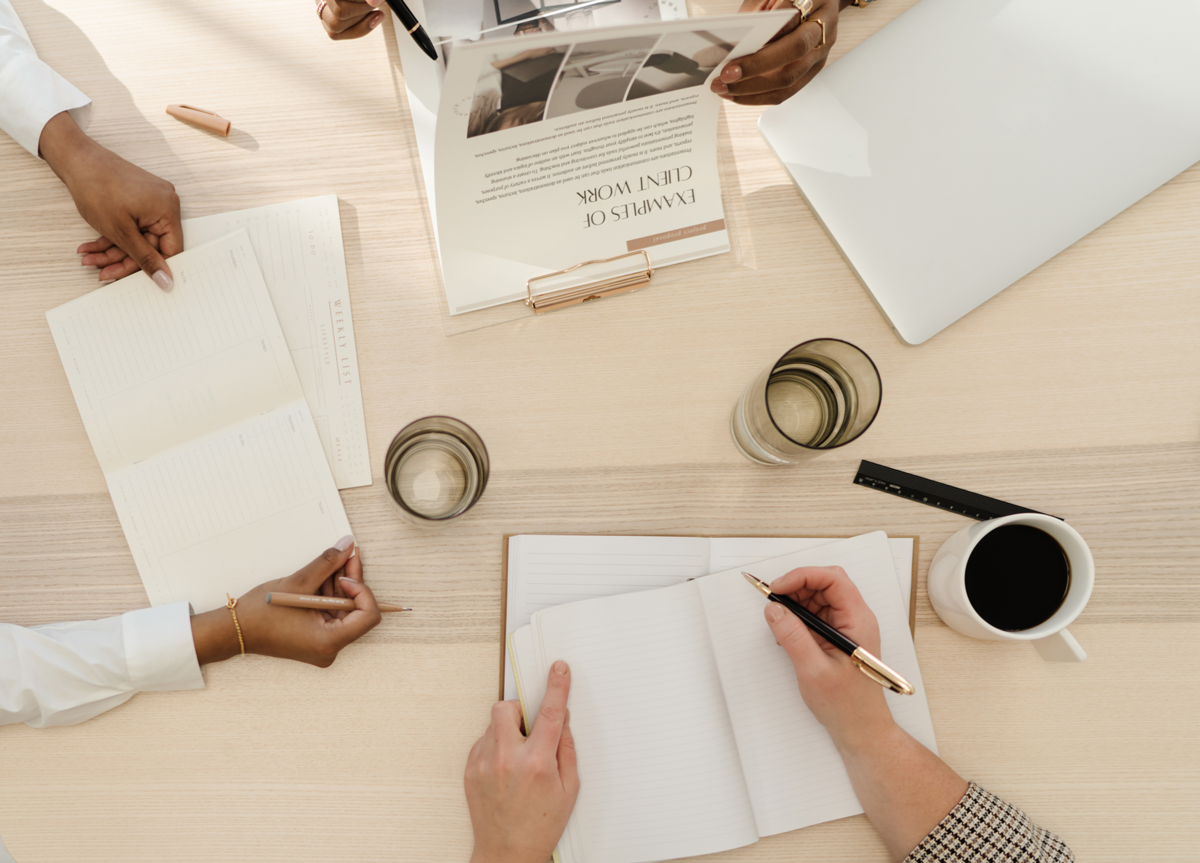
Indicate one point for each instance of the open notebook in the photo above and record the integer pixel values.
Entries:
(692, 736)
(193, 407)
(541, 570)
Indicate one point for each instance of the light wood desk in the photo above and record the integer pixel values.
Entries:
(1075, 392)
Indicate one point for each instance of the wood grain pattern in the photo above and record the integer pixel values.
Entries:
(1074, 392)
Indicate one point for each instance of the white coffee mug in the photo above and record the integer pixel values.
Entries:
(948, 587)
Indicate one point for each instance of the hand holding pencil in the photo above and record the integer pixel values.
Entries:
(312, 636)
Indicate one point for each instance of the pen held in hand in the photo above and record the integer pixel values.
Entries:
(869, 664)
(322, 603)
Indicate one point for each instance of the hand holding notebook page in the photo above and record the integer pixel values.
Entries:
(685, 712)
(193, 407)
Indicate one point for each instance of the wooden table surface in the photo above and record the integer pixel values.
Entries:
(1075, 392)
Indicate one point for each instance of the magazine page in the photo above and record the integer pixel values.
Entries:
(457, 22)
(566, 147)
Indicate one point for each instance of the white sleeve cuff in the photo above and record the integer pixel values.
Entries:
(31, 93)
(159, 651)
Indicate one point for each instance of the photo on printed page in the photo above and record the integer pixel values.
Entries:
(597, 74)
(456, 22)
(682, 60)
(513, 89)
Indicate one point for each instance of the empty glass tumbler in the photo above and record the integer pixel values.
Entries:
(436, 469)
(820, 395)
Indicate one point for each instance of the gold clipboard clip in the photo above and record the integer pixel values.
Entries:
(552, 300)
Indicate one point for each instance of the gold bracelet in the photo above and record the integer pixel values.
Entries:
(231, 605)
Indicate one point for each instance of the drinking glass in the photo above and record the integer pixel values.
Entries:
(436, 469)
(819, 395)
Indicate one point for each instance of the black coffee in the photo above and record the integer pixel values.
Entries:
(1017, 577)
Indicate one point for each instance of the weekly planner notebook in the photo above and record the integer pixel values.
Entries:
(691, 733)
(194, 409)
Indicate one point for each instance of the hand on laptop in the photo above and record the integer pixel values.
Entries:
(349, 19)
(843, 699)
(302, 634)
(785, 64)
(521, 789)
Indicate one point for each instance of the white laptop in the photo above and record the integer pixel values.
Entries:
(970, 141)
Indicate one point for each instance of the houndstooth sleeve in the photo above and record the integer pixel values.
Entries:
(982, 828)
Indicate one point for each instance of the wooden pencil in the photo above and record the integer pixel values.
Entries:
(322, 603)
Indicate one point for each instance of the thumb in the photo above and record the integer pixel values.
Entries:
(310, 578)
(130, 240)
(793, 636)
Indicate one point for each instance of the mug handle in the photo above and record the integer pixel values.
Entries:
(1060, 647)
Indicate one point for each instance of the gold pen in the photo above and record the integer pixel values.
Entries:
(867, 662)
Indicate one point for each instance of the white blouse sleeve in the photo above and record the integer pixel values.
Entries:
(31, 93)
(65, 673)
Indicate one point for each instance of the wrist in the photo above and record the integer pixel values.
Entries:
(865, 736)
(63, 146)
(215, 636)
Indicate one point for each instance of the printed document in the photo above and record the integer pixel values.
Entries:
(299, 247)
(194, 409)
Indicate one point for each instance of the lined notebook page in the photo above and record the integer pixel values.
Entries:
(194, 409)
(794, 774)
(299, 249)
(547, 570)
(660, 769)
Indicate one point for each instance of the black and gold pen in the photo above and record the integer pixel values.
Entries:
(867, 663)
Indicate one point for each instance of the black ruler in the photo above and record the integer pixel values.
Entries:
(930, 493)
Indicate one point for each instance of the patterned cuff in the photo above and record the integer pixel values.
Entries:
(982, 828)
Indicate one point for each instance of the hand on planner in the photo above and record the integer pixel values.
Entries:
(135, 212)
(302, 634)
(521, 789)
(349, 19)
(785, 64)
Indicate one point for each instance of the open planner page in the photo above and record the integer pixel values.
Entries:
(545, 570)
(193, 407)
(794, 774)
(299, 248)
(655, 747)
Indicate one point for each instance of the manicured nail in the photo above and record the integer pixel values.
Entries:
(375, 22)
(774, 612)
(344, 543)
(347, 578)
(559, 667)
(718, 86)
(731, 74)
(163, 280)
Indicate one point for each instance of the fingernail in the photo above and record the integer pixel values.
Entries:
(163, 280)
(347, 578)
(344, 543)
(774, 613)
(718, 86)
(374, 22)
(731, 73)
(559, 667)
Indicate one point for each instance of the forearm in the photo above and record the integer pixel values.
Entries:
(904, 788)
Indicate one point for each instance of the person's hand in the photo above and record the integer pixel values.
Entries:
(303, 634)
(790, 60)
(135, 212)
(521, 790)
(349, 19)
(844, 700)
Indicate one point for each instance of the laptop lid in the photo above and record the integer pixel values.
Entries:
(970, 141)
